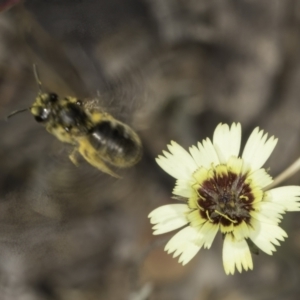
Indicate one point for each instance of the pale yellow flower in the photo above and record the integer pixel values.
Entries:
(224, 192)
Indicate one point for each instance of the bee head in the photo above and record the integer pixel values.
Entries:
(40, 113)
(46, 99)
(43, 106)
(51, 98)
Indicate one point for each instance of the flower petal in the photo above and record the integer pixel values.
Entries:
(258, 149)
(265, 235)
(184, 188)
(287, 196)
(266, 217)
(169, 217)
(235, 165)
(188, 253)
(209, 232)
(195, 218)
(184, 243)
(268, 212)
(205, 154)
(227, 141)
(178, 163)
(260, 178)
(241, 231)
(236, 254)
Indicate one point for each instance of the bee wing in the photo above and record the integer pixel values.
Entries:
(93, 104)
(49, 55)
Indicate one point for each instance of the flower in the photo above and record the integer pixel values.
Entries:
(224, 192)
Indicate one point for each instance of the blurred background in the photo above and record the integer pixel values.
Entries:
(172, 70)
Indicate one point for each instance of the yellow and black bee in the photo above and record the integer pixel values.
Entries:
(96, 135)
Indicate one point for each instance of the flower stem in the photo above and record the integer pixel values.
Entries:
(287, 173)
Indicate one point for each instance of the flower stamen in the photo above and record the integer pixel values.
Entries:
(226, 217)
(208, 217)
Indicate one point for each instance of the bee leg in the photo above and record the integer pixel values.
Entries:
(104, 168)
(74, 157)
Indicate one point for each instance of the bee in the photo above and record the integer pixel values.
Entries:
(97, 136)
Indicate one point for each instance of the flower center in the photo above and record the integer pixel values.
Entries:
(225, 198)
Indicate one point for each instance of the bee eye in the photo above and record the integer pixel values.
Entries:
(41, 114)
(39, 119)
(53, 97)
(79, 102)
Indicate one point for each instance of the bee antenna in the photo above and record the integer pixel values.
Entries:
(37, 78)
(16, 112)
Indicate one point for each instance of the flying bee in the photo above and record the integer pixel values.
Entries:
(96, 135)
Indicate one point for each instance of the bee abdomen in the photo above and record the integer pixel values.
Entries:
(117, 143)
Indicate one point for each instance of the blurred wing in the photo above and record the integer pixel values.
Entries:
(57, 72)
